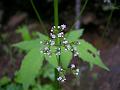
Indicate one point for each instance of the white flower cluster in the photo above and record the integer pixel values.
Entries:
(59, 69)
(61, 28)
(47, 51)
(58, 51)
(64, 42)
(61, 77)
(75, 71)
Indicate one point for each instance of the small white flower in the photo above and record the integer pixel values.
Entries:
(58, 27)
(76, 53)
(64, 38)
(41, 51)
(41, 42)
(65, 49)
(52, 42)
(52, 35)
(51, 30)
(54, 27)
(72, 66)
(59, 69)
(63, 80)
(59, 78)
(58, 53)
(68, 47)
(46, 48)
(63, 26)
(77, 70)
(65, 42)
(60, 34)
(58, 49)
(76, 73)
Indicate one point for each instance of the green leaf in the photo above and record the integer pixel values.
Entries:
(42, 36)
(4, 80)
(66, 57)
(30, 68)
(53, 58)
(88, 53)
(25, 32)
(74, 35)
(28, 45)
(48, 72)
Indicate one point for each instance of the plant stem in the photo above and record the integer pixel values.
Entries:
(109, 20)
(56, 13)
(38, 16)
(57, 85)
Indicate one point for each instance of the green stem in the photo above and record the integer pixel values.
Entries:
(108, 21)
(57, 85)
(38, 16)
(56, 13)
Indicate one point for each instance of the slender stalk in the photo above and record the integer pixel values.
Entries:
(56, 13)
(56, 22)
(109, 20)
(38, 16)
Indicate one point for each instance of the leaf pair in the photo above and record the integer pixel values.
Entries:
(34, 59)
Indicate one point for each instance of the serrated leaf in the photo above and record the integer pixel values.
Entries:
(74, 35)
(30, 68)
(28, 45)
(88, 53)
(66, 57)
(25, 32)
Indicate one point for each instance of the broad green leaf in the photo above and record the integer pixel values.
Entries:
(88, 53)
(28, 45)
(4, 80)
(30, 68)
(66, 57)
(25, 32)
(74, 35)
(42, 36)
(48, 72)
(52, 59)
